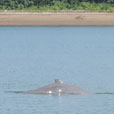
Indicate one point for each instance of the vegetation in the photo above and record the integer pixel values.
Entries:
(57, 5)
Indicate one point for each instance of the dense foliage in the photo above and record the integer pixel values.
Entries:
(90, 5)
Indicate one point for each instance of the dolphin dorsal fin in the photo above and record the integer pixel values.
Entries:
(57, 81)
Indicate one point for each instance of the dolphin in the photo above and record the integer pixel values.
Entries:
(59, 87)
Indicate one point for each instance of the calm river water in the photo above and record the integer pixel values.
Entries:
(31, 57)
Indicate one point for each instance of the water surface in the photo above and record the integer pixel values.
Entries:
(31, 57)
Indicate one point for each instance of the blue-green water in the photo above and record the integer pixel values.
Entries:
(31, 57)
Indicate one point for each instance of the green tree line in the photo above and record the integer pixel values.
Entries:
(92, 5)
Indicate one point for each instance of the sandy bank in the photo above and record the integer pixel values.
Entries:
(56, 19)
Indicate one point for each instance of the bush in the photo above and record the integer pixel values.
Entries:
(49, 5)
(60, 6)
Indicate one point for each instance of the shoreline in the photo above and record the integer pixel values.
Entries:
(56, 19)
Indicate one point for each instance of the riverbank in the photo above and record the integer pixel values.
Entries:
(56, 19)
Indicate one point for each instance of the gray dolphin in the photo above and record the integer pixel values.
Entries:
(58, 88)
